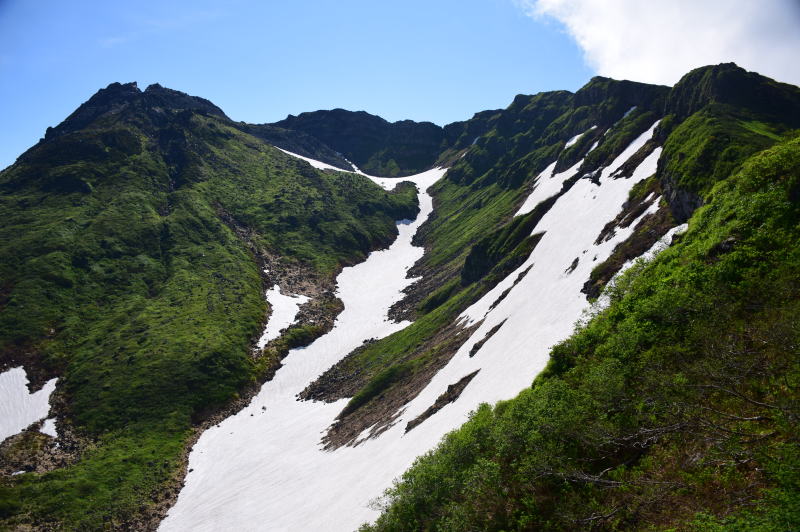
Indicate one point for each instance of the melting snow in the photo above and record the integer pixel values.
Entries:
(284, 309)
(574, 139)
(316, 164)
(18, 407)
(547, 185)
(661, 244)
(269, 472)
(49, 427)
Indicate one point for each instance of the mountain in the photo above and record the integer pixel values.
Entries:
(138, 238)
(141, 233)
(374, 145)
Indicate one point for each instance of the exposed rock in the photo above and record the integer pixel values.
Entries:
(477, 345)
(450, 395)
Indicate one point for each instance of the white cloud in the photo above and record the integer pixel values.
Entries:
(659, 41)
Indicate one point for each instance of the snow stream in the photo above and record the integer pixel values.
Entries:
(264, 468)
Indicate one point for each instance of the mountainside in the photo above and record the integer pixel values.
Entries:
(141, 234)
(134, 247)
(374, 145)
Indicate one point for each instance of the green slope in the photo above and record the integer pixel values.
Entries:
(668, 409)
(129, 265)
(679, 402)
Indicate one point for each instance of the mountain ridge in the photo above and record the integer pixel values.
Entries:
(150, 224)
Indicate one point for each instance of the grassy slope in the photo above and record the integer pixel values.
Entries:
(119, 272)
(475, 203)
(668, 409)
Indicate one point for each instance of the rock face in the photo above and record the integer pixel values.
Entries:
(376, 146)
(730, 84)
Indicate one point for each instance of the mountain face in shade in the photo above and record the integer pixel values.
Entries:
(374, 145)
(149, 241)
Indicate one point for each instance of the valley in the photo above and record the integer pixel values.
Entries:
(559, 314)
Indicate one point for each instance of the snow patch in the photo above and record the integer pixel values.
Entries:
(284, 310)
(574, 139)
(49, 427)
(18, 407)
(547, 185)
(316, 164)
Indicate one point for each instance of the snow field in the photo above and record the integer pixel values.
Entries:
(264, 468)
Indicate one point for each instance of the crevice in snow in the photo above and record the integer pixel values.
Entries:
(477, 345)
(450, 395)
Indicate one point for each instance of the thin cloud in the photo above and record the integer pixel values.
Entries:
(166, 21)
(658, 42)
(110, 42)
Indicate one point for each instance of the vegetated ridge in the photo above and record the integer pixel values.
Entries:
(137, 232)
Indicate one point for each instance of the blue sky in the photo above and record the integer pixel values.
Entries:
(439, 60)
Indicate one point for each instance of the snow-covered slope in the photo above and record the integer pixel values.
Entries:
(265, 469)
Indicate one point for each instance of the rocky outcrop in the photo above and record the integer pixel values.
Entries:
(373, 144)
(730, 84)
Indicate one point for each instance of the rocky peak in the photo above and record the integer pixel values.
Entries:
(619, 96)
(727, 83)
(156, 95)
(121, 96)
(112, 99)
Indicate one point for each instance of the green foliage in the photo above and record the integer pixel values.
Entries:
(127, 264)
(684, 391)
(712, 143)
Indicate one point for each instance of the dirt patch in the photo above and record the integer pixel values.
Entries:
(450, 395)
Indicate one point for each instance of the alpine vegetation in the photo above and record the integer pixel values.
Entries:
(577, 312)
